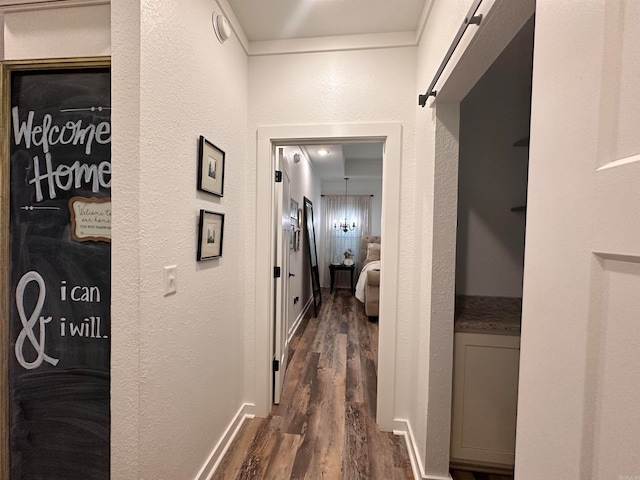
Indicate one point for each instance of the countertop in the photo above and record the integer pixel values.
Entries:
(492, 315)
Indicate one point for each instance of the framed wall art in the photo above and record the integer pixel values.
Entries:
(210, 232)
(210, 168)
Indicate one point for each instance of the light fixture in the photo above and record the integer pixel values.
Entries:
(323, 152)
(221, 27)
(296, 158)
(344, 225)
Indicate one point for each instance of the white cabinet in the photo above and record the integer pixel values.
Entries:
(485, 397)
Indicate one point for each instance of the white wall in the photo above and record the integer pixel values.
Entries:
(492, 175)
(330, 88)
(57, 32)
(426, 381)
(304, 183)
(177, 361)
(171, 399)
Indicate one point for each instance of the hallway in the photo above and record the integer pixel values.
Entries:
(325, 426)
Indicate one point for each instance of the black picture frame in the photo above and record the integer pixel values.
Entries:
(211, 165)
(210, 235)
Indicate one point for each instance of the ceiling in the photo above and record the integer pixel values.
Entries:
(264, 20)
(353, 160)
(269, 20)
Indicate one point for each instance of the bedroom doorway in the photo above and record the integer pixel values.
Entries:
(269, 138)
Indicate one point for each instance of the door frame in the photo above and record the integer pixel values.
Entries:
(480, 47)
(267, 139)
(281, 284)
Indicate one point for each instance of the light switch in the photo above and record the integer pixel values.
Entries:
(170, 280)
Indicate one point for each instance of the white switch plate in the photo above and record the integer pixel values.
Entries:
(170, 280)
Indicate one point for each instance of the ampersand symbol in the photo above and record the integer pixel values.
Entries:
(27, 325)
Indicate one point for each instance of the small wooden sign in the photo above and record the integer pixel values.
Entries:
(90, 219)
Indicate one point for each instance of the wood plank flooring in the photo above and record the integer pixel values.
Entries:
(324, 427)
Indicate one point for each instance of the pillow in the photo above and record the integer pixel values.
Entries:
(373, 252)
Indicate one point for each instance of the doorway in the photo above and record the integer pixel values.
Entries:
(492, 187)
(478, 50)
(268, 138)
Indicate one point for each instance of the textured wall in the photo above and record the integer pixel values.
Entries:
(186, 360)
(304, 183)
(126, 245)
(428, 352)
(428, 379)
(58, 32)
(345, 87)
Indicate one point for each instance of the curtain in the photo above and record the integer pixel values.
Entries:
(335, 209)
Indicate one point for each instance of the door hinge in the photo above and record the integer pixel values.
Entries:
(278, 176)
(276, 365)
(276, 272)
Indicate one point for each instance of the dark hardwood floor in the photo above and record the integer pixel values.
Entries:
(324, 427)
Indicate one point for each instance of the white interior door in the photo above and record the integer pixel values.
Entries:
(283, 229)
(578, 413)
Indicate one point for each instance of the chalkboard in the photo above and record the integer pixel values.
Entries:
(59, 274)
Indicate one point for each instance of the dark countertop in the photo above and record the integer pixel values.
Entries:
(491, 315)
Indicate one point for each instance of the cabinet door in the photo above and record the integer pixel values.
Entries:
(485, 397)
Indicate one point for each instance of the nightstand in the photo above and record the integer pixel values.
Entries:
(342, 266)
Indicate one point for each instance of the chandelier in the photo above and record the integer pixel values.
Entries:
(344, 225)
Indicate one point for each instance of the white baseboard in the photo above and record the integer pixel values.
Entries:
(215, 457)
(296, 324)
(403, 428)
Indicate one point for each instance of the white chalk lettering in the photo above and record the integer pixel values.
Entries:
(28, 325)
(79, 331)
(85, 294)
(89, 328)
(48, 134)
(65, 177)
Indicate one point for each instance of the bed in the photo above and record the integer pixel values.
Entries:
(368, 286)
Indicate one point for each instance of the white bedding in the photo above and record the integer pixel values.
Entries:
(362, 280)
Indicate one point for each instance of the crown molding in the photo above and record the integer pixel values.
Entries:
(26, 5)
(333, 43)
(228, 12)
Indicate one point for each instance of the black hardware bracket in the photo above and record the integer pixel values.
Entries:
(470, 19)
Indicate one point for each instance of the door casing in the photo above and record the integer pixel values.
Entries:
(268, 138)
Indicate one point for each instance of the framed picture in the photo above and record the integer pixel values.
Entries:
(210, 168)
(294, 211)
(210, 232)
